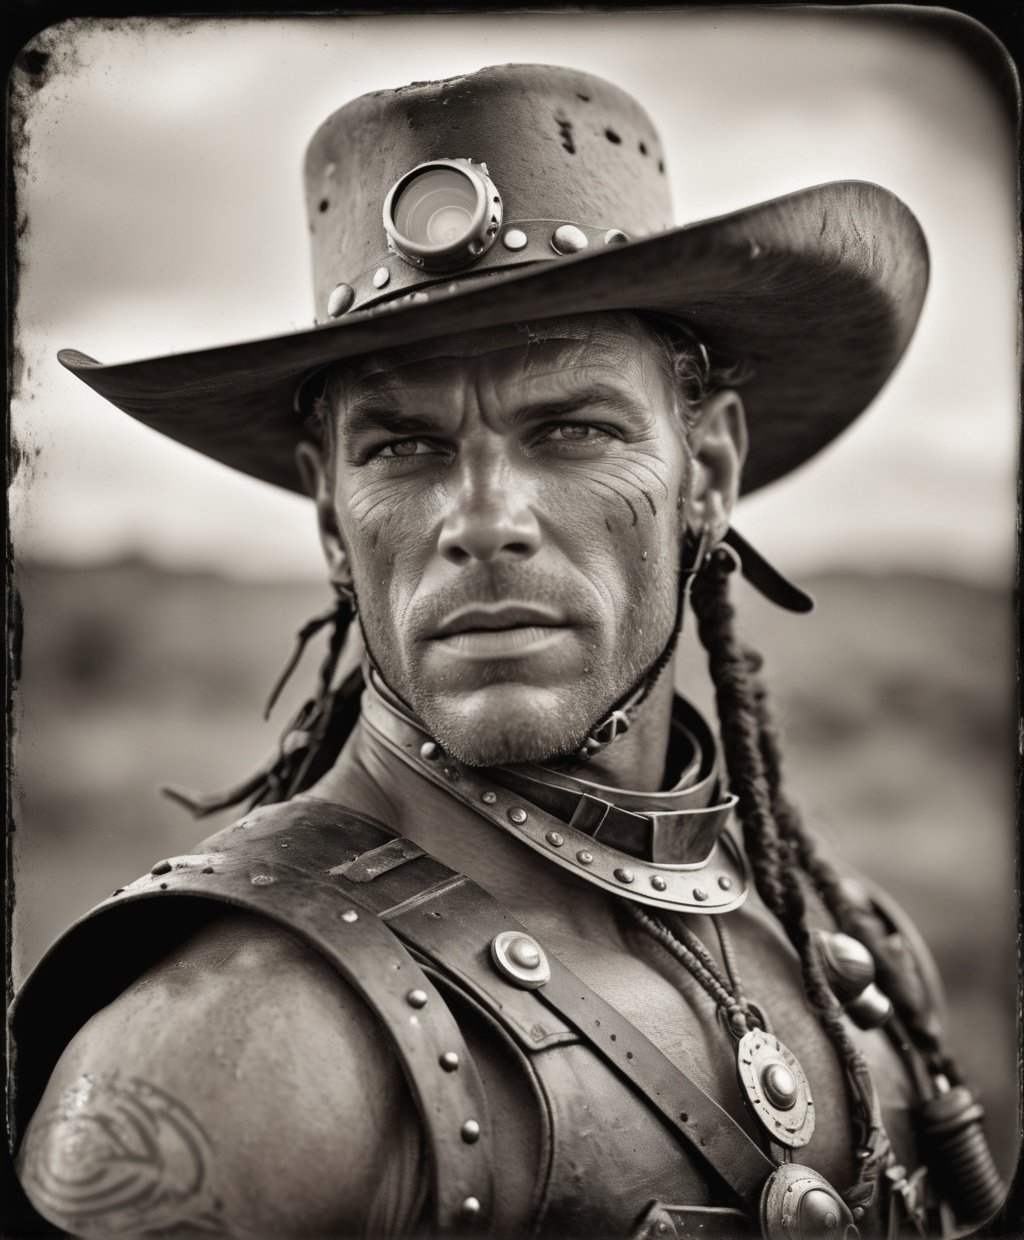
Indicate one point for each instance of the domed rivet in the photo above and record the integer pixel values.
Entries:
(555, 839)
(725, 882)
(699, 893)
(779, 1085)
(488, 798)
(430, 751)
(520, 958)
(262, 880)
(449, 1061)
(350, 915)
(615, 236)
(858, 1212)
(381, 277)
(161, 867)
(568, 239)
(471, 1209)
(342, 296)
(624, 875)
(658, 883)
(514, 239)
(416, 998)
(584, 857)
(524, 952)
(470, 1132)
(517, 815)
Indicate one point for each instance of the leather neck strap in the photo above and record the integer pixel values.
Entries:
(571, 830)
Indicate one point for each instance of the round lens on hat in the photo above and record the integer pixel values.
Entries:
(436, 207)
(442, 214)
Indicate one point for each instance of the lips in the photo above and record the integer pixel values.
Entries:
(503, 616)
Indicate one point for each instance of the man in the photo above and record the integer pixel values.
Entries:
(504, 950)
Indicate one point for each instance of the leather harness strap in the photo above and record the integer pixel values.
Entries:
(426, 924)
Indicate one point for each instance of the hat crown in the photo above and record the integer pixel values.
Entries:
(559, 144)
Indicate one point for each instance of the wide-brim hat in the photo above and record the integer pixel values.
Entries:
(557, 182)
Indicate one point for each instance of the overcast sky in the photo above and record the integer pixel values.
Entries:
(162, 183)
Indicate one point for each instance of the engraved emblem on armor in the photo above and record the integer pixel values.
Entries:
(799, 1204)
(776, 1088)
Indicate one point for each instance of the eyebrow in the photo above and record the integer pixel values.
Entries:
(377, 410)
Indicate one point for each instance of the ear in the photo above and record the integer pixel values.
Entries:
(718, 442)
(316, 479)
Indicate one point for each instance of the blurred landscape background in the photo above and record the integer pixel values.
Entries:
(895, 699)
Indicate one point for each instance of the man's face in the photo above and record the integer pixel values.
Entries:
(510, 503)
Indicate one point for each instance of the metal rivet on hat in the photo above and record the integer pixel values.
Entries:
(350, 915)
(340, 299)
(658, 883)
(161, 867)
(624, 875)
(416, 998)
(725, 882)
(430, 751)
(470, 1132)
(449, 1061)
(488, 797)
(568, 239)
(517, 815)
(615, 236)
(699, 893)
(471, 1209)
(514, 239)
(555, 839)
(381, 277)
(520, 958)
(584, 857)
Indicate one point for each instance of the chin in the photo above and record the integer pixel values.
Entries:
(506, 725)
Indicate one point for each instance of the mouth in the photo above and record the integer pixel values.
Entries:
(509, 630)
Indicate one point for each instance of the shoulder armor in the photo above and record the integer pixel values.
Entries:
(287, 862)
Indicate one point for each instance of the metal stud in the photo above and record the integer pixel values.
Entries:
(381, 277)
(430, 751)
(779, 1085)
(514, 239)
(520, 958)
(449, 1061)
(568, 239)
(584, 857)
(350, 915)
(342, 296)
(471, 1209)
(624, 875)
(700, 894)
(658, 883)
(615, 236)
(488, 797)
(416, 998)
(725, 882)
(470, 1132)
(262, 880)
(162, 867)
(517, 815)
(555, 839)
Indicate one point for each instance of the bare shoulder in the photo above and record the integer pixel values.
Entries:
(239, 1087)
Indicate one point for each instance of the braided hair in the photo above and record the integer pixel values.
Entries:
(786, 865)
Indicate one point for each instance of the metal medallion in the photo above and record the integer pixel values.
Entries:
(798, 1203)
(776, 1087)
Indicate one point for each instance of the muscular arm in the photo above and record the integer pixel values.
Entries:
(238, 1088)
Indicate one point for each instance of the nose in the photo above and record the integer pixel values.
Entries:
(489, 518)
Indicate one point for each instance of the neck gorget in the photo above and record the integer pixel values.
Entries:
(670, 850)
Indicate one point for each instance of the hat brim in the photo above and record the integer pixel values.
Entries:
(818, 292)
